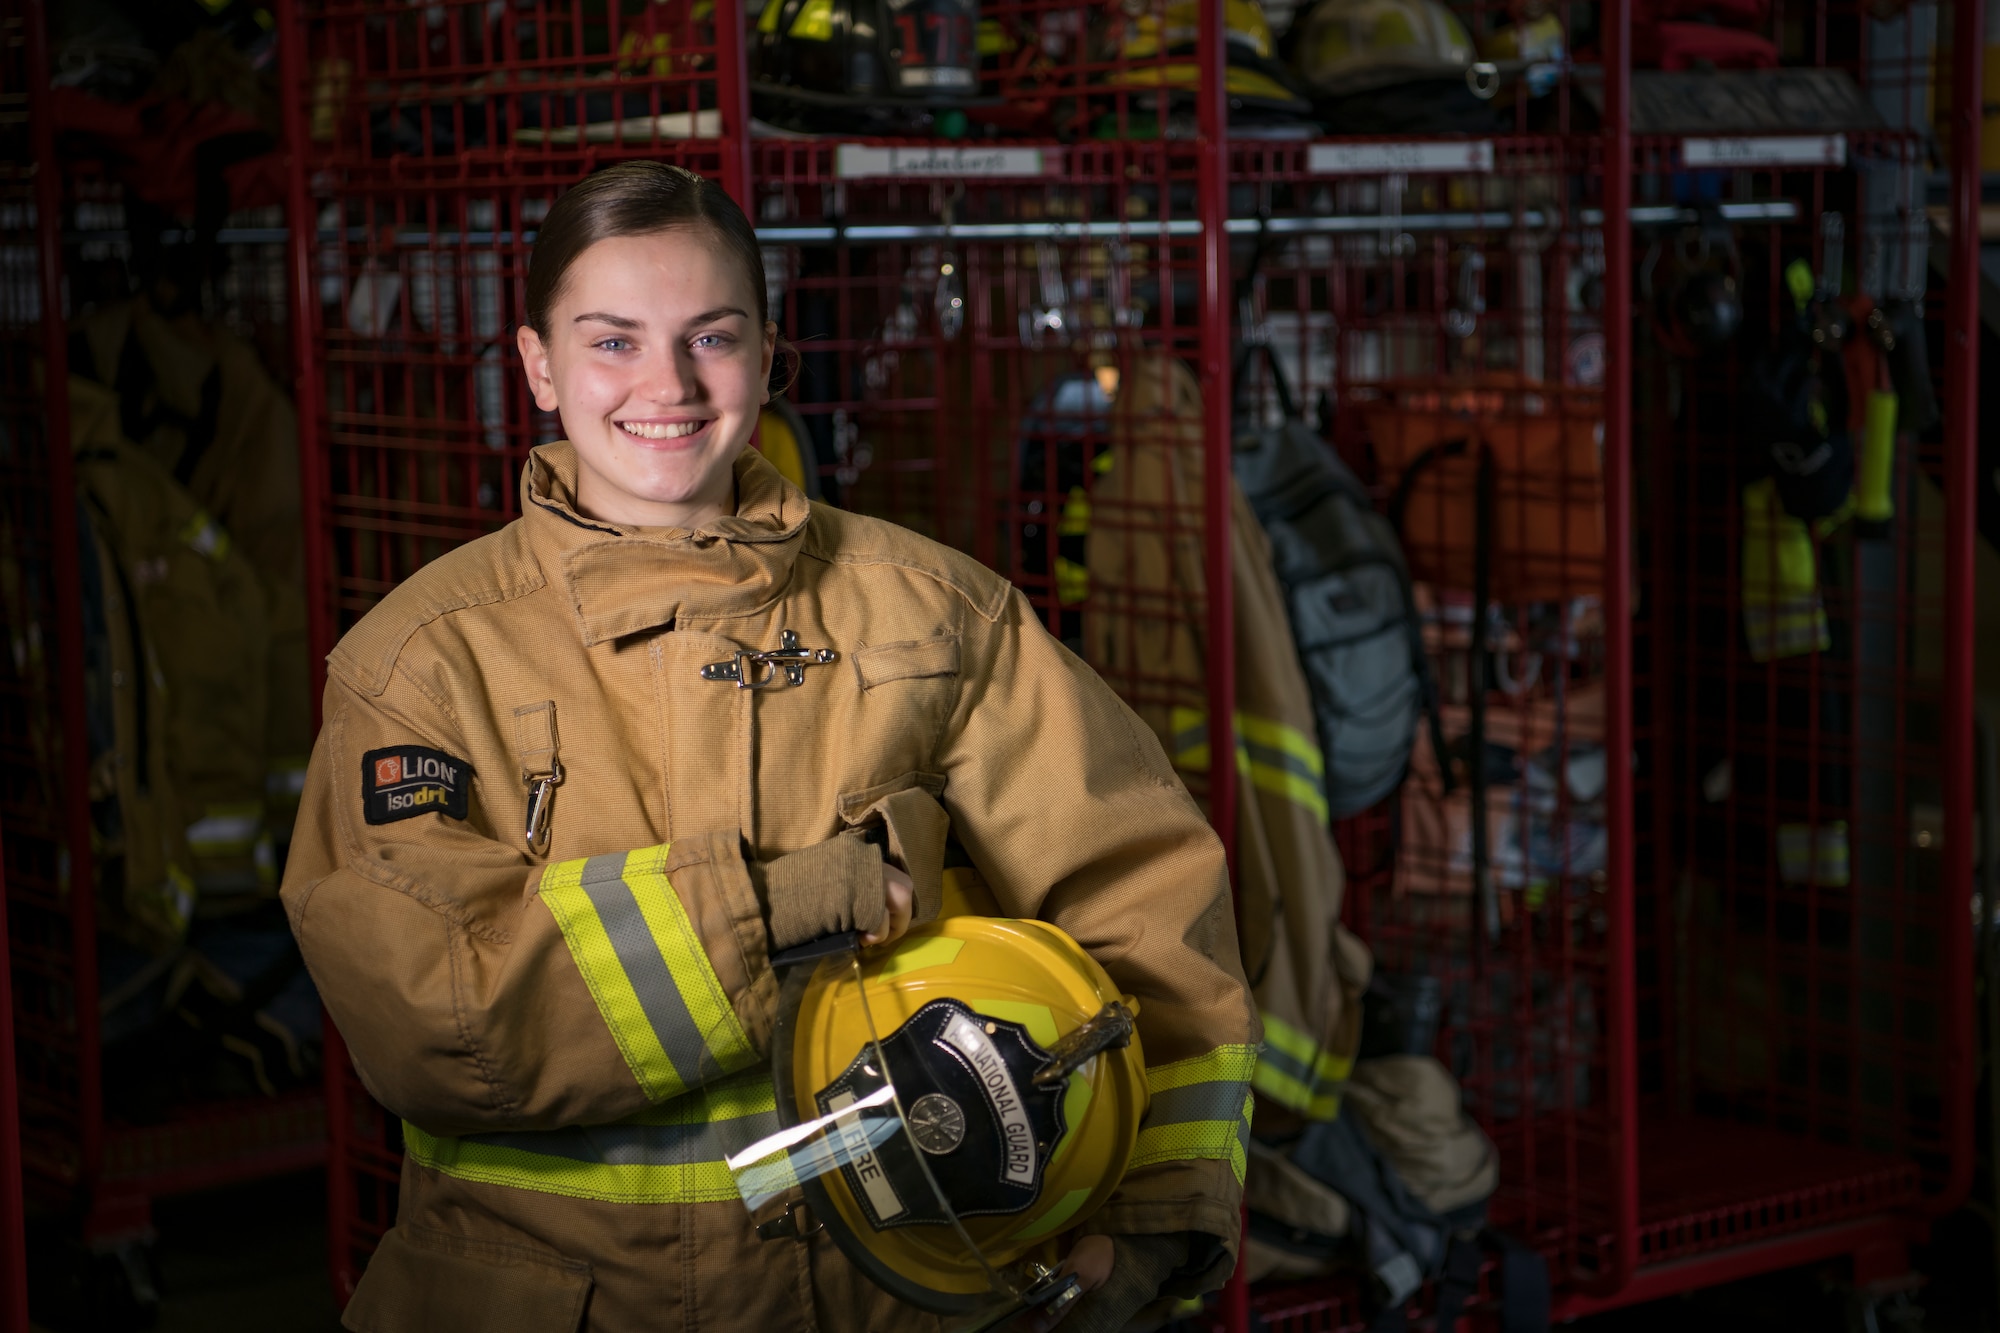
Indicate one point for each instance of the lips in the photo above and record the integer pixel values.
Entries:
(659, 431)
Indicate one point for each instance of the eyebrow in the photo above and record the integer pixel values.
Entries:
(720, 312)
(623, 322)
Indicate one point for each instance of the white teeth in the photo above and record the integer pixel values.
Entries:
(672, 430)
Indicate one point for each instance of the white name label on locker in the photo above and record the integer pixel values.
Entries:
(1357, 159)
(1810, 150)
(854, 160)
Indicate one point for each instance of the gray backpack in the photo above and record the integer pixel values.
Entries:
(1347, 594)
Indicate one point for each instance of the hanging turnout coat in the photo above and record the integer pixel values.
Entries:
(576, 1034)
(1308, 971)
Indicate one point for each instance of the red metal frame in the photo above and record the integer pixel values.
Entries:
(1218, 479)
(1622, 995)
(1961, 518)
(68, 604)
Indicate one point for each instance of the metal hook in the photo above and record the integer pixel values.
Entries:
(1396, 243)
(1462, 321)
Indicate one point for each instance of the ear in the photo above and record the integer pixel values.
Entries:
(535, 360)
(770, 352)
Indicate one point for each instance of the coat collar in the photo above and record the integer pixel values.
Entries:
(623, 580)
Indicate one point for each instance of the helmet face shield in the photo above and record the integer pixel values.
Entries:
(949, 1108)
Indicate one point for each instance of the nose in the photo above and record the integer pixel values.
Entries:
(670, 377)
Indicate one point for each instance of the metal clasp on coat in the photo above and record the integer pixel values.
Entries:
(787, 665)
(541, 796)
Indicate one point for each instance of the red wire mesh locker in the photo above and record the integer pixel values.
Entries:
(1702, 1050)
(76, 1159)
(1442, 306)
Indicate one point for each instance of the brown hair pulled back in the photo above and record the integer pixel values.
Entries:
(639, 199)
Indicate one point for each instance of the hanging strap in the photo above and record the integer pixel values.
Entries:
(541, 768)
(1239, 376)
(1460, 1279)
(1482, 592)
(1406, 486)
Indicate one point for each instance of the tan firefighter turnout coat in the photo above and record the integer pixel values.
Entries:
(574, 1030)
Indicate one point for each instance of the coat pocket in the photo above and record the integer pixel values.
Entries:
(425, 1281)
(912, 659)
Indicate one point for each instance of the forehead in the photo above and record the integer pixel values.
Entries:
(684, 271)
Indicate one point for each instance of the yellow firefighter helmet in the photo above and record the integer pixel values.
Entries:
(979, 1087)
(782, 439)
(1355, 46)
(1147, 30)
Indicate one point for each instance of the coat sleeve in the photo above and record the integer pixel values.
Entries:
(1073, 815)
(479, 991)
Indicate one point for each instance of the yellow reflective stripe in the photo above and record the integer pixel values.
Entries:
(1275, 758)
(1814, 854)
(561, 889)
(1231, 1063)
(1277, 736)
(1197, 1140)
(1075, 514)
(226, 830)
(667, 1154)
(205, 536)
(647, 970)
(1322, 1065)
(1200, 1109)
(1072, 581)
(1288, 1092)
(1288, 785)
(490, 1164)
(1296, 1073)
(1783, 615)
(700, 989)
(286, 780)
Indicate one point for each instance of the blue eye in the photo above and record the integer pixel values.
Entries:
(612, 345)
(713, 340)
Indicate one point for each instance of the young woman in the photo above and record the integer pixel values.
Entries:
(549, 844)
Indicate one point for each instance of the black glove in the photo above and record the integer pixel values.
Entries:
(1142, 1266)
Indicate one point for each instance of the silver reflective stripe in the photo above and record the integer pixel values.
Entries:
(1196, 1101)
(1285, 1063)
(640, 1145)
(603, 881)
(1284, 760)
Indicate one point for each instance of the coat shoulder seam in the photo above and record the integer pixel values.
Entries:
(840, 538)
(493, 569)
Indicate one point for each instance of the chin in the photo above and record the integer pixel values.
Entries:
(674, 484)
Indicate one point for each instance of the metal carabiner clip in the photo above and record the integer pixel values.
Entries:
(541, 802)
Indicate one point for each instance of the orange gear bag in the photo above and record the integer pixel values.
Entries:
(1546, 528)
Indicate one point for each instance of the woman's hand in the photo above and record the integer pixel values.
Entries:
(899, 896)
(1091, 1261)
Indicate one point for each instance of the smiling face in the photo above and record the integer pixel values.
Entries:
(657, 365)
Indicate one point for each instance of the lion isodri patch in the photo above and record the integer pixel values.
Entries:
(405, 781)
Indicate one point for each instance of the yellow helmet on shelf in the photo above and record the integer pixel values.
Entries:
(979, 1088)
(1354, 46)
(1148, 30)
